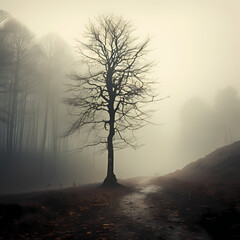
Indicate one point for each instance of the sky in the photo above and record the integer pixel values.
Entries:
(195, 44)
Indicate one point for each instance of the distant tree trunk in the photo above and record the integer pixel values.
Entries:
(44, 135)
(9, 115)
(22, 120)
(27, 138)
(35, 137)
(12, 130)
(54, 137)
(2, 135)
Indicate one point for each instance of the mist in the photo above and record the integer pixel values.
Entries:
(195, 45)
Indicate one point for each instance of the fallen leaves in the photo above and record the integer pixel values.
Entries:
(86, 213)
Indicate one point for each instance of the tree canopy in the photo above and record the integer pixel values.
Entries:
(115, 79)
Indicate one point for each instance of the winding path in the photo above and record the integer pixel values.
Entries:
(143, 224)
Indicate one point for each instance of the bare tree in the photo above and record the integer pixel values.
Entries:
(111, 96)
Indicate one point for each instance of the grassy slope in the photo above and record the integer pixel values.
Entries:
(207, 192)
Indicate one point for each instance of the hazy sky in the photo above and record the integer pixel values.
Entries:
(196, 44)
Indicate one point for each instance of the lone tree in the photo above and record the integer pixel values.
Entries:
(110, 97)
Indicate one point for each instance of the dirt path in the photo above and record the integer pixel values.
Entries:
(144, 224)
(98, 213)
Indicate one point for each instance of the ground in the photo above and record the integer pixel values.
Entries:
(142, 209)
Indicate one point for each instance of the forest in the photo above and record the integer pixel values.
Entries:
(33, 116)
(107, 132)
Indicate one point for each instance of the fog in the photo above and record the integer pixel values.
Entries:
(195, 45)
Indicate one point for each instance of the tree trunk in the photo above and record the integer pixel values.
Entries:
(54, 138)
(22, 121)
(14, 104)
(110, 180)
(44, 137)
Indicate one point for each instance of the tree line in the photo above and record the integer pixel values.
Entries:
(32, 73)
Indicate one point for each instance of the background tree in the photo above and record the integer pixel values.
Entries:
(19, 43)
(114, 89)
(55, 65)
(32, 114)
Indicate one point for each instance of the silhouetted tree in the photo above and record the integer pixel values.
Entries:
(114, 89)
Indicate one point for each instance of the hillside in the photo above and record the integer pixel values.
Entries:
(222, 165)
(206, 192)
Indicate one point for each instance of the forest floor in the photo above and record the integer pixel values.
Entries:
(144, 209)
